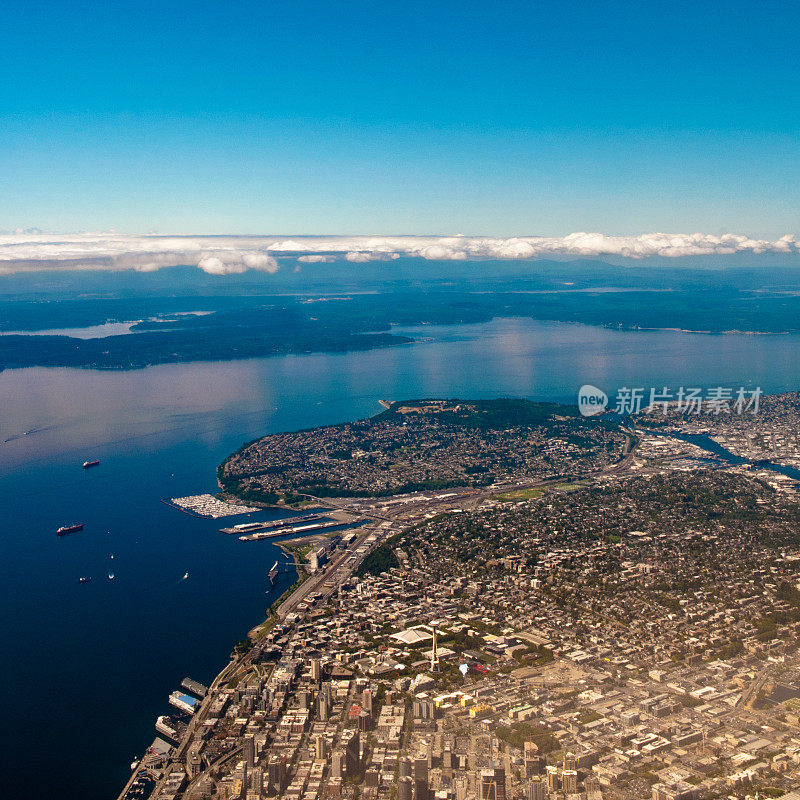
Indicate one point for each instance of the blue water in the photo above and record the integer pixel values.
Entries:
(708, 444)
(87, 668)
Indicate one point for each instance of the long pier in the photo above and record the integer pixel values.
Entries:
(274, 524)
(302, 529)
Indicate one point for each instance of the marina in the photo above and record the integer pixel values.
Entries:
(206, 505)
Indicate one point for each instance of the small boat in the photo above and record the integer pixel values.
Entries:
(111, 576)
(134, 764)
(88, 464)
(65, 529)
(84, 580)
(185, 576)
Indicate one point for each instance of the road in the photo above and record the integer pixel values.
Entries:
(342, 565)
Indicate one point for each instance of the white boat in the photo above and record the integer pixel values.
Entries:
(111, 576)
(185, 576)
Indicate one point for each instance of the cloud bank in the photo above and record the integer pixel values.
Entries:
(227, 255)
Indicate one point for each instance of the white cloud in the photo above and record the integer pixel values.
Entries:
(226, 255)
(316, 259)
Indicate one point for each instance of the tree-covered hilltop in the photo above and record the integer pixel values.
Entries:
(421, 445)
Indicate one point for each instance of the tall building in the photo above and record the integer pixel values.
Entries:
(405, 788)
(353, 755)
(421, 785)
(553, 781)
(493, 784)
(257, 782)
(569, 781)
(337, 764)
(366, 700)
(534, 765)
(500, 783)
(447, 762)
(274, 776)
(249, 751)
(320, 748)
(371, 778)
(323, 706)
(535, 790)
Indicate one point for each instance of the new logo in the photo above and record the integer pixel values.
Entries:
(591, 400)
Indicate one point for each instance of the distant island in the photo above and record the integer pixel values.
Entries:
(418, 445)
(193, 323)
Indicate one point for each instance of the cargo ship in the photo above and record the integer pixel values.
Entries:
(87, 464)
(65, 529)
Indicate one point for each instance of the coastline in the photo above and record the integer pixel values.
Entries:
(302, 576)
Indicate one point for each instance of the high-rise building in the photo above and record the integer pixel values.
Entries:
(353, 755)
(320, 748)
(447, 761)
(570, 761)
(405, 788)
(569, 781)
(535, 790)
(257, 782)
(534, 766)
(493, 784)
(249, 750)
(487, 784)
(371, 778)
(337, 764)
(274, 776)
(421, 790)
(366, 700)
(553, 780)
(323, 707)
(500, 783)
(421, 785)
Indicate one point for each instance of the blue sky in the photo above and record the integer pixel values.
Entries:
(497, 118)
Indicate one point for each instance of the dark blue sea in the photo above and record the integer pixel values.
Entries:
(86, 669)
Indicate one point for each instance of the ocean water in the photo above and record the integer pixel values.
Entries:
(87, 668)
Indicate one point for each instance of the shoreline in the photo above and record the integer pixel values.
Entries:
(254, 633)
